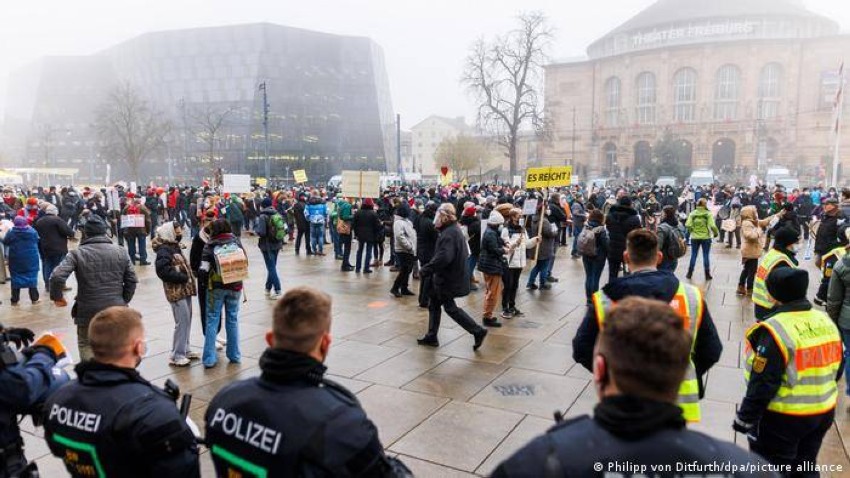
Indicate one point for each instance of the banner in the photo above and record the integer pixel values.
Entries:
(361, 184)
(236, 183)
(300, 176)
(446, 178)
(550, 176)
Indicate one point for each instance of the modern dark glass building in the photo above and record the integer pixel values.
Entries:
(329, 103)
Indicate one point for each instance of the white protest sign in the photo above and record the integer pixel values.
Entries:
(236, 183)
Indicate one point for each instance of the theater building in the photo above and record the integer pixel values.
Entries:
(741, 84)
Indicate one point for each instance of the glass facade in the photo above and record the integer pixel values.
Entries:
(330, 106)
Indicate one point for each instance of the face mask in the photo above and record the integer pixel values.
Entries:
(179, 237)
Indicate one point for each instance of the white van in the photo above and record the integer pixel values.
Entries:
(701, 177)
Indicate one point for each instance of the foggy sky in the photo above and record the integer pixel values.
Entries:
(424, 42)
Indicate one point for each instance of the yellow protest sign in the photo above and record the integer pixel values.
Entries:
(262, 182)
(549, 176)
(446, 179)
(300, 175)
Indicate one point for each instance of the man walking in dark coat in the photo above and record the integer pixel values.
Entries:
(622, 219)
(53, 246)
(450, 279)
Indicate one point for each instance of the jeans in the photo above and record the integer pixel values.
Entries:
(540, 268)
(345, 246)
(272, 279)
(317, 238)
(16, 294)
(142, 249)
(402, 280)
(83, 344)
(748, 274)
(229, 300)
(696, 245)
(236, 226)
(471, 264)
(615, 266)
(302, 233)
(336, 242)
(182, 310)
(360, 246)
(576, 231)
(50, 262)
(593, 267)
(154, 225)
(511, 279)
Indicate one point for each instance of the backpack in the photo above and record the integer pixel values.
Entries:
(275, 227)
(586, 243)
(231, 263)
(674, 245)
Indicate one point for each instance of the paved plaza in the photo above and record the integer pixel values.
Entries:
(448, 411)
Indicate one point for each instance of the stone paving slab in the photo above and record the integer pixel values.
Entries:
(441, 409)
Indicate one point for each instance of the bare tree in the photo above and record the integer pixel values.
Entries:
(211, 119)
(505, 76)
(129, 127)
(461, 154)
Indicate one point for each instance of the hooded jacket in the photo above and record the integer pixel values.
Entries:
(172, 268)
(752, 232)
(54, 233)
(620, 221)
(658, 285)
(701, 224)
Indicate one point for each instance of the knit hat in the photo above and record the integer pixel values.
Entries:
(469, 212)
(495, 219)
(51, 210)
(32, 201)
(787, 284)
(785, 237)
(95, 226)
(131, 195)
(368, 202)
(267, 202)
(20, 221)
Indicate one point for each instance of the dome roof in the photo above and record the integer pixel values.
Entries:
(666, 14)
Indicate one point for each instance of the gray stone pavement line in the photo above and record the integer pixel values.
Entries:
(418, 424)
(441, 465)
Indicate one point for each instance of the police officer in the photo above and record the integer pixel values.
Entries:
(24, 383)
(783, 254)
(640, 360)
(112, 422)
(291, 421)
(794, 359)
(642, 256)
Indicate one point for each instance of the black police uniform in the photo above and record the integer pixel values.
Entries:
(292, 422)
(23, 385)
(624, 438)
(112, 422)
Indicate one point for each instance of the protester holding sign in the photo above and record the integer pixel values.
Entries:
(135, 224)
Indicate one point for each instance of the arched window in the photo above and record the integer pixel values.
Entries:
(612, 102)
(646, 98)
(770, 82)
(684, 95)
(726, 92)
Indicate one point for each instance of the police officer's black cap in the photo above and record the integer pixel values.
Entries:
(787, 284)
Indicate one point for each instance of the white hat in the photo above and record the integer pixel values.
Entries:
(495, 219)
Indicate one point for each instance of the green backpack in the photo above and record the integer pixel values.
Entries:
(276, 228)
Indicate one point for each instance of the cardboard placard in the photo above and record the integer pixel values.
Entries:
(236, 183)
(232, 263)
(132, 220)
(529, 207)
(361, 184)
(300, 176)
(549, 176)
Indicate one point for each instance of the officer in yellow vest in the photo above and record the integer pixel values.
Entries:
(786, 244)
(828, 261)
(794, 359)
(645, 280)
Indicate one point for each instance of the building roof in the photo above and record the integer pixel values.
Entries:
(458, 123)
(666, 12)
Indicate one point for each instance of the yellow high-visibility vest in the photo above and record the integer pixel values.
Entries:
(688, 305)
(838, 253)
(810, 344)
(768, 262)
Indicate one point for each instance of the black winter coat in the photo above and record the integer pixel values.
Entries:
(492, 259)
(827, 238)
(426, 238)
(473, 230)
(366, 225)
(300, 219)
(448, 266)
(620, 222)
(53, 232)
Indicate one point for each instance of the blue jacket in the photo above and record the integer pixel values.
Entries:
(316, 213)
(22, 387)
(23, 256)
